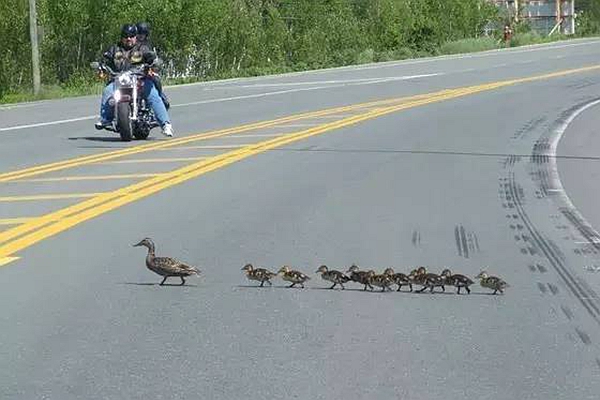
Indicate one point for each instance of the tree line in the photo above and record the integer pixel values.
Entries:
(205, 39)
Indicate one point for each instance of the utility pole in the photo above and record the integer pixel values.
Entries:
(35, 52)
(572, 17)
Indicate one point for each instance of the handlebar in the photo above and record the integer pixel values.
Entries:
(138, 70)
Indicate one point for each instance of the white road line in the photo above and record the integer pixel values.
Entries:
(342, 81)
(329, 82)
(488, 53)
(243, 97)
(524, 49)
(221, 100)
(330, 86)
(192, 103)
(554, 175)
(21, 105)
(63, 121)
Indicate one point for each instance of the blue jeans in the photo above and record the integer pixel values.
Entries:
(107, 112)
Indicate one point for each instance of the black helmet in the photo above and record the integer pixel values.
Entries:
(143, 28)
(128, 30)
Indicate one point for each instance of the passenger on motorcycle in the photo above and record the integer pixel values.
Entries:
(121, 57)
(143, 38)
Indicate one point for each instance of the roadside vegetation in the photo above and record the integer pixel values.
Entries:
(217, 39)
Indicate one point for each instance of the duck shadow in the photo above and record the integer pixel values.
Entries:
(268, 287)
(358, 290)
(462, 294)
(337, 289)
(254, 287)
(157, 284)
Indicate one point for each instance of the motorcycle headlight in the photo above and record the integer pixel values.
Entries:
(125, 80)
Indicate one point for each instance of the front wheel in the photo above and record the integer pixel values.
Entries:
(124, 121)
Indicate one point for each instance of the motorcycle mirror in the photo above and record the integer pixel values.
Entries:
(95, 65)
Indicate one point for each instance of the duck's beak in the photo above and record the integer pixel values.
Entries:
(139, 244)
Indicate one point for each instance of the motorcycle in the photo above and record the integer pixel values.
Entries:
(133, 117)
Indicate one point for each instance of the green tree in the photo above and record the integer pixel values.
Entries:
(202, 39)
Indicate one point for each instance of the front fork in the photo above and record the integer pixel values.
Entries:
(134, 108)
(133, 100)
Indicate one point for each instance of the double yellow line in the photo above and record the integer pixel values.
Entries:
(111, 155)
(37, 229)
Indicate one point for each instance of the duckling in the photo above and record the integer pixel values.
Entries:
(337, 277)
(296, 277)
(458, 280)
(359, 276)
(258, 274)
(383, 281)
(428, 280)
(166, 266)
(419, 271)
(399, 279)
(415, 276)
(492, 282)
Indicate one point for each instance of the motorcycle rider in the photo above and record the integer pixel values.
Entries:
(121, 57)
(143, 38)
(143, 33)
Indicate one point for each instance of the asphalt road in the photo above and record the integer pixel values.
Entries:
(467, 162)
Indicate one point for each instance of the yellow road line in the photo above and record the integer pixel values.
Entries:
(4, 261)
(208, 147)
(333, 116)
(96, 158)
(21, 237)
(14, 221)
(251, 135)
(85, 160)
(295, 125)
(29, 233)
(88, 178)
(155, 160)
(60, 196)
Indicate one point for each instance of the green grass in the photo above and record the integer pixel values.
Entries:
(528, 38)
(469, 45)
(48, 92)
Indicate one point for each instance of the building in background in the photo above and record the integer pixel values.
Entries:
(544, 16)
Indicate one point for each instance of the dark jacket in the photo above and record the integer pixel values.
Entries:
(120, 59)
(145, 42)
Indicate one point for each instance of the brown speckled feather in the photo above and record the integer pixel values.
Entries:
(167, 266)
(295, 277)
(261, 275)
(335, 276)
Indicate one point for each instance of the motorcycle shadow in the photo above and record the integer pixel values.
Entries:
(97, 138)
(109, 139)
